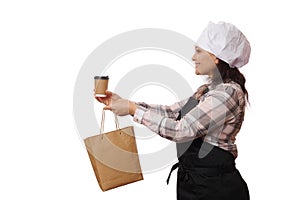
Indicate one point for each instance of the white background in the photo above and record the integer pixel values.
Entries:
(43, 45)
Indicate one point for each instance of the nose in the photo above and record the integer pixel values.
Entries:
(194, 57)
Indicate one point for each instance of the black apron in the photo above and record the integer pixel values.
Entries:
(206, 172)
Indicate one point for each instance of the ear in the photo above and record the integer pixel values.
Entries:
(217, 60)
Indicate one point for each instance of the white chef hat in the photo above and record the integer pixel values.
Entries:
(226, 42)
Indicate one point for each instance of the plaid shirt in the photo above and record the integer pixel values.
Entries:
(217, 118)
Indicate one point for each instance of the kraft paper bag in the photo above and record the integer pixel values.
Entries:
(114, 156)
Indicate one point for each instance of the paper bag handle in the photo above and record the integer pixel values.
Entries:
(103, 119)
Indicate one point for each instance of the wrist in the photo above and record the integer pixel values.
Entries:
(132, 107)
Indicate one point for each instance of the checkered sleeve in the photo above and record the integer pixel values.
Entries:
(171, 111)
(208, 116)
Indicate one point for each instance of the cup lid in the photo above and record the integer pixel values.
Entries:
(101, 77)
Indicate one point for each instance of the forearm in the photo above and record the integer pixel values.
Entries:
(164, 110)
(168, 128)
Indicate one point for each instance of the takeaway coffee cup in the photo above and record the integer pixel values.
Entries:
(101, 83)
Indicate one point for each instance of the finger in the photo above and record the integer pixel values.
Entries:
(99, 99)
(108, 93)
(107, 108)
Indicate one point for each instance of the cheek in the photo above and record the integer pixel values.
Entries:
(209, 63)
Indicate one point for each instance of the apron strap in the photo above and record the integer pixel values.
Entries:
(172, 169)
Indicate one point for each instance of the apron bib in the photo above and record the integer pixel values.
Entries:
(206, 172)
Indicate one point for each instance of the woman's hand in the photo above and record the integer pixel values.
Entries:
(122, 107)
(117, 105)
(110, 96)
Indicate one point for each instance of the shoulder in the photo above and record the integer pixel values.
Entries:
(229, 87)
(228, 90)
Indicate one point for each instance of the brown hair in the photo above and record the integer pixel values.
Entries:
(232, 74)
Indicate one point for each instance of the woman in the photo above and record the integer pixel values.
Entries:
(205, 125)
